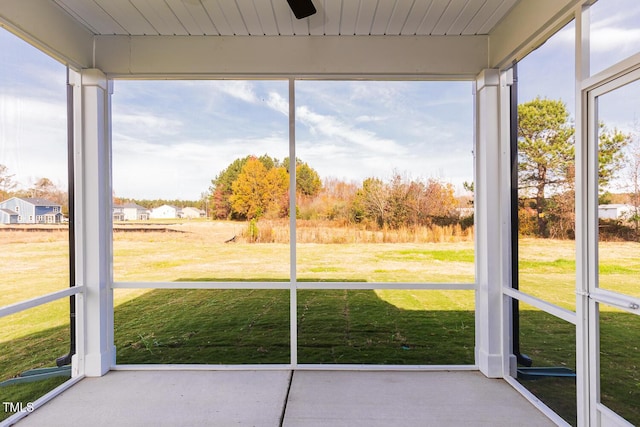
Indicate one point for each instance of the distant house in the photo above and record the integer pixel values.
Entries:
(134, 212)
(165, 212)
(615, 211)
(118, 213)
(23, 210)
(190, 212)
(8, 216)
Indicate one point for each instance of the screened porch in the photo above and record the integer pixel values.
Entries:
(399, 260)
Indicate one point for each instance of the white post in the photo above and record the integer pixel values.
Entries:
(293, 279)
(490, 250)
(585, 384)
(510, 363)
(93, 211)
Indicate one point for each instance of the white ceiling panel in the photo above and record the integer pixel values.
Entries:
(416, 16)
(449, 15)
(274, 17)
(349, 17)
(264, 9)
(381, 17)
(127, 16)
(399, 17)
(500, 9)
(333, 15)
(219, 21)
(366, 12)
(231, 12)
(179, 9)
(193, 17)
(432, 18)
(316, 22)
(461, 22)
(160, 16)
(249, 16)
(92, 16)
(300, 27)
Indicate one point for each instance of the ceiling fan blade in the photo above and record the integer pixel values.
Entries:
(302, 8)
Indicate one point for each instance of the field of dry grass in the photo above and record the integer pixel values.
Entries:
(35, 263)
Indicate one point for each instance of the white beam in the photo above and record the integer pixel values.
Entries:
(47, 27)
(490, 251)
(525, 27)
(93, 208)
(457, 57)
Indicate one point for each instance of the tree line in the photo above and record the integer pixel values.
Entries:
(44, 188)
(255, 187)
(154, 203)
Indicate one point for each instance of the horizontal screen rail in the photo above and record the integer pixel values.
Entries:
(624, 302)
(296, 285)
(545, 306)
(34, 302)
(298, 367)
(386, 285)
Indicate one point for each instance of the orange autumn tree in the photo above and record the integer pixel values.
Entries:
(259, 191)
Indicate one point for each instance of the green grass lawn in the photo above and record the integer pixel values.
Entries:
(252, 326)
(334, 326)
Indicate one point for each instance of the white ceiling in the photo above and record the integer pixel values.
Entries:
(273, 17)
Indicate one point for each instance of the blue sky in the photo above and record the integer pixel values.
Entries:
(170, 138)
(190, 131)
(32, 113)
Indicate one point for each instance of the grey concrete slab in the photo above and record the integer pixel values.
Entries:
(315, 398)
(340, 398)
(169, 398)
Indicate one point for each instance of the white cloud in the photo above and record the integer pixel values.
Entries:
(33, 139)
(355, 130)
(606, 39)
(612, 31)
(144, 170)
(381, 93)
(180, 169)
(239, 89)
(365, 118)
(153, 123)
(333, 127)
(276, 102)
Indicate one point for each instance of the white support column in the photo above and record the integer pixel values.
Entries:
(488, 220)
(93, 212)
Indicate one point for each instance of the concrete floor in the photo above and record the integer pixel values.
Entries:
(290, 399)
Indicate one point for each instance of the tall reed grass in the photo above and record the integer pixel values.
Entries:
(327, 232)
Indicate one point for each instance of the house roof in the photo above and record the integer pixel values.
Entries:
(9, 212)
(38, 201)
(131, 205)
